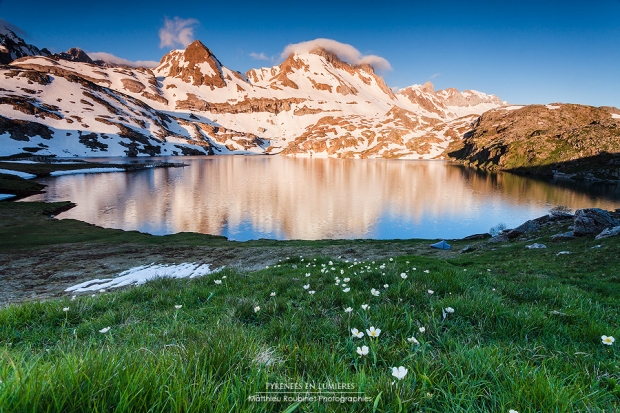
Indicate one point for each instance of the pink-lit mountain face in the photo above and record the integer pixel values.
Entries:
(312, 104)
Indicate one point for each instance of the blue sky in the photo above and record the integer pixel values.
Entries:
(524, 52)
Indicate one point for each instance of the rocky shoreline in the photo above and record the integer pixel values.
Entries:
(585, 222)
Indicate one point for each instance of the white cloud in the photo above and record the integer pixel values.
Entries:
(259, 56)
(344, 51)
(110, 58)
(177, 31)
(435, 75)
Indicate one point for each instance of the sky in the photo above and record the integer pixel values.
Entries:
(522, 51)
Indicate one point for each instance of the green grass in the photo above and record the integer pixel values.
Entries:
(525, 335)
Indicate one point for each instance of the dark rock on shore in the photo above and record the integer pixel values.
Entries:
(592, 221)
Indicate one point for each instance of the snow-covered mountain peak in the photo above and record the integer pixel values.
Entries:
(319, 101)
(196, 65)
(13, 47)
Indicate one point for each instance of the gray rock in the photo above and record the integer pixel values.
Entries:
(563, 236)
(535, 246)
(609, 232)
(467, 249)
(592, 221)
(525, 228)
(560, 215)
(499, 238)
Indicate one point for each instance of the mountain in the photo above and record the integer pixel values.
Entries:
(312, 104)
(563, 140)
(13, 47)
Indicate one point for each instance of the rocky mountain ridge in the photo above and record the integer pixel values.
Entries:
(312, 104)
(561, 140)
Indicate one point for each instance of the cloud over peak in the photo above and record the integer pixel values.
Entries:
(110, 58)
(344, 51)
(177, 31)
(259, 56)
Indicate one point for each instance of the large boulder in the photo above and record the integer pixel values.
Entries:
(525, 228)
(592, 221)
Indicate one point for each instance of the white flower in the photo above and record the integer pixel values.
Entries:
(348, 310)
(178, 306)
(102, 291)
(608, 340)
(223, 276)
(273, 294)
(330, 263)
(311, 292)
(65, 309)
(341, 271)
(403, 275)
(449, 310)
(363, 351)
(426, 271)
(307, 274)
(73, 298)
(391, 259)
(347, 280)
(306, 286)
(386, 285)
(365, 306)
(375, 292)
(346, 290)
(257, 309)
(217, 281)
(422, 329)
(104, 330)
(373, 332)
(356, 333)
(413, 340)
(512, 411)
(431, 292)
(399, 372)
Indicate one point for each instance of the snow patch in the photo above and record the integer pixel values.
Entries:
(512, 107)
(144, 273)
(17, 173)
(6, 196)
(552, 107)
(615, 116)
(86, 171)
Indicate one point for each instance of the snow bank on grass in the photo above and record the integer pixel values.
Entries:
(6, 196)
(144, 273)
(86, 171)
(17, 173)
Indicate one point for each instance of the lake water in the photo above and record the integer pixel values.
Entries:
(251, 197)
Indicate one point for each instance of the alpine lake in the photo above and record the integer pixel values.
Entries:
(275, 197)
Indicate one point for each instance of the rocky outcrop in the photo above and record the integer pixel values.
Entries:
(133, 85)
(23, 130)
(13, 47)
(75, 55)
(592, 221)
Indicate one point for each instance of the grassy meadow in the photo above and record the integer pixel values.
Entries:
(498, 329)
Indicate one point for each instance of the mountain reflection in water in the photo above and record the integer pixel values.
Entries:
(250, 197)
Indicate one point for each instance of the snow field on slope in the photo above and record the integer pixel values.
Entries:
(140, 275)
